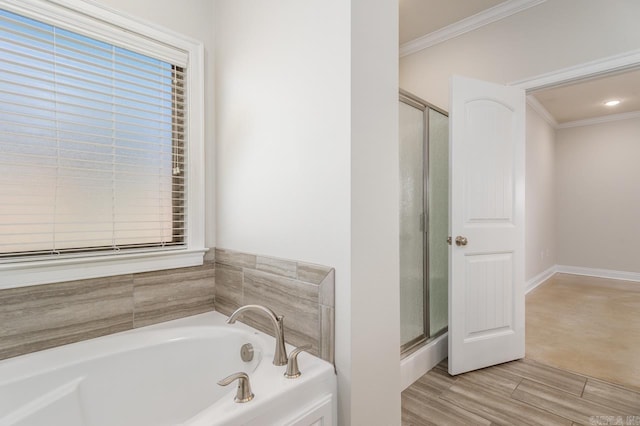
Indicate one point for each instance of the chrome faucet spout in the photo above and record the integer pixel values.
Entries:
(280, 355)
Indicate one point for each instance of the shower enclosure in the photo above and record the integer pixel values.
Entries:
(424, 207)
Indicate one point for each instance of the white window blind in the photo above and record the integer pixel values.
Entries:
(92, 145)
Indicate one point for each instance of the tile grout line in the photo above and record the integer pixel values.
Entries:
(516, 388)
(544, 408)
(133, 301)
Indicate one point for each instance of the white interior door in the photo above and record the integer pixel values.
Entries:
(486, 262)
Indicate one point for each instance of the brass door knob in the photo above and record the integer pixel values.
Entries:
(449, 240)
(461, 241)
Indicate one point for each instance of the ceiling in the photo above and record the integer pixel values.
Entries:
(574, 102)
(421, 17)
(586, 100)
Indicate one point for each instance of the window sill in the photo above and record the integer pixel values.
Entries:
(21, 274)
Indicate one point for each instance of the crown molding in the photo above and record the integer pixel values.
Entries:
(599, 120)
(588, 70)
(493, 14)
(542, 111)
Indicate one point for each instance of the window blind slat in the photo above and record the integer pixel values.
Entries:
(32, 63)
(88, 106)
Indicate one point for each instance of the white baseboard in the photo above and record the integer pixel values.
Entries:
(600, 273)
(424, 359)
(540, 278)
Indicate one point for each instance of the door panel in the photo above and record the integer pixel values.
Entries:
(486, 297)
(488, 280)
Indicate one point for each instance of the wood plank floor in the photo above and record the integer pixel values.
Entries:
(522, 392)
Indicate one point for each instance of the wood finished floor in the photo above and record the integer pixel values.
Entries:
(522, 392)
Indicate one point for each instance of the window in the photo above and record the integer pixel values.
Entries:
(98, 148)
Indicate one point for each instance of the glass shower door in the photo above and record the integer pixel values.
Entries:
(412, 243)
(424, 226)
(438, 225)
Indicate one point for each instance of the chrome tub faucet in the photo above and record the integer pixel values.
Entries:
(280, 355)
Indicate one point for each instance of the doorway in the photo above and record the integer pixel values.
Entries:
(586, 286)
(424, 200)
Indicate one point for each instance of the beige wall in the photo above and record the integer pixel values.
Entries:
(540, 231)
(598, 195)
(553, 35)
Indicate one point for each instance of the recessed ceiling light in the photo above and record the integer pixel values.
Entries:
(611, 103)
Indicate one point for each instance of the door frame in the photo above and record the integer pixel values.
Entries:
(620, 63)
(609, 65)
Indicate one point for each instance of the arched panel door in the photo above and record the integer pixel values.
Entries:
(486, 262)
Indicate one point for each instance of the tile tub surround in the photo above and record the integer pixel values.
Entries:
(302, 292)
(39, 317)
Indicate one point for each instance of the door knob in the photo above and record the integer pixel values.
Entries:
(449, 240)
(461, 241)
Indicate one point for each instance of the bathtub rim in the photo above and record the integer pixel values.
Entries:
(28, 365)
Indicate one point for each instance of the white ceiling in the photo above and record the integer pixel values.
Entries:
(421, 17)
(586, 100)
(570, 103)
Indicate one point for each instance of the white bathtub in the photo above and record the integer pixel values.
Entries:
(165, 374)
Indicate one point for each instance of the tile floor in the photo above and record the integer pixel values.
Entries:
(522, 392)
(586, 325)
(582, 365)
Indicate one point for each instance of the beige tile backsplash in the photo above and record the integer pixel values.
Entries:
(39, 317)
(302, 292)
(44, 316)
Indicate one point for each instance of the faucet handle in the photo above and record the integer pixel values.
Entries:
(293, 372)
(244, 393)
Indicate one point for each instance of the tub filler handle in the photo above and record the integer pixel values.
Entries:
(280, 354)
(293, 372)
(244, 393)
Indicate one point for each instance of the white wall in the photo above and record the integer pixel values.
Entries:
(540, 231)
(192, 18)
(283, 129)
(283, 140)
(306, 140)
(553, 35)
(375, 219)
(598, 195)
